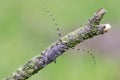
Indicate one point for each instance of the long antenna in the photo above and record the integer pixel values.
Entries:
(86, 51)
(53, 19)
(59, 34)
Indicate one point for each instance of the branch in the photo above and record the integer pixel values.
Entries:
(50, 54)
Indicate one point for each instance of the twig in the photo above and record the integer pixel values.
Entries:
(50, 54)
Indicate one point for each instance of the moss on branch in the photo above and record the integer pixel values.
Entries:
(50, 54)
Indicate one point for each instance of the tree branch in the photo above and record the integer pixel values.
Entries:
(50, 54)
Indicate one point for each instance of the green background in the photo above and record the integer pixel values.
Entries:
(26, 29)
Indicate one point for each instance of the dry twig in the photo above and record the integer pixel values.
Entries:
(93, 28)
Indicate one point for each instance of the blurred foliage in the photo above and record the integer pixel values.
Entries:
(26, 29)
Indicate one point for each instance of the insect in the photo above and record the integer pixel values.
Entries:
(60, 35)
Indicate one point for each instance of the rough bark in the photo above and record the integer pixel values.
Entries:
(91, 29)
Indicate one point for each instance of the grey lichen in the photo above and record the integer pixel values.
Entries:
(50, 54)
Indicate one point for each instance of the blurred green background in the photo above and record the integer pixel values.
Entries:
(26, 29)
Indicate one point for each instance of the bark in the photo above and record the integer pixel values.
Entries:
(91, 29)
